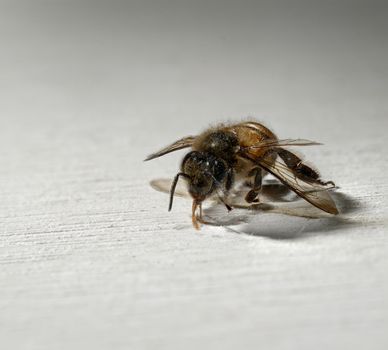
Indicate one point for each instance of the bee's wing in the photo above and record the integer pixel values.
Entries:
(315, 193)
(177, 145)
(281, 143)
(164, 185)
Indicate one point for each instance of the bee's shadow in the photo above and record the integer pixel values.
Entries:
(298, 219)
(280, 215)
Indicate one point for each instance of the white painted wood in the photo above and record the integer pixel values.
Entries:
(89, 256)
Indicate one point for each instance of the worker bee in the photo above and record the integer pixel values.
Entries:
(247, 151)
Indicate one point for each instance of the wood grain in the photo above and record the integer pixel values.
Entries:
(89, 256)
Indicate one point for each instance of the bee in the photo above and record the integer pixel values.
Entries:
(223, 154)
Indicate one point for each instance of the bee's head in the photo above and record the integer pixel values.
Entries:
(204, 173)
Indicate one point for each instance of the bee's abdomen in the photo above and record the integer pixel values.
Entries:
(252, 133)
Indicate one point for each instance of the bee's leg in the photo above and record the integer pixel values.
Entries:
(257, 175)
(229, 180)
(301, 170)
(228, 185)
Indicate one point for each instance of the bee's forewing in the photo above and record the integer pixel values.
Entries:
(282, 143)
(315, 193)
(177, 145)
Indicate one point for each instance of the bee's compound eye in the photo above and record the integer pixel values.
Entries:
(219, 169)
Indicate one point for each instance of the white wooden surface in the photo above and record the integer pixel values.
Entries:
(89, 256)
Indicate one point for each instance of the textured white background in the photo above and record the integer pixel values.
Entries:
(89, 256)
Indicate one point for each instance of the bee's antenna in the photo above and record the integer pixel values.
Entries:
(173, 186)
(226, 204)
